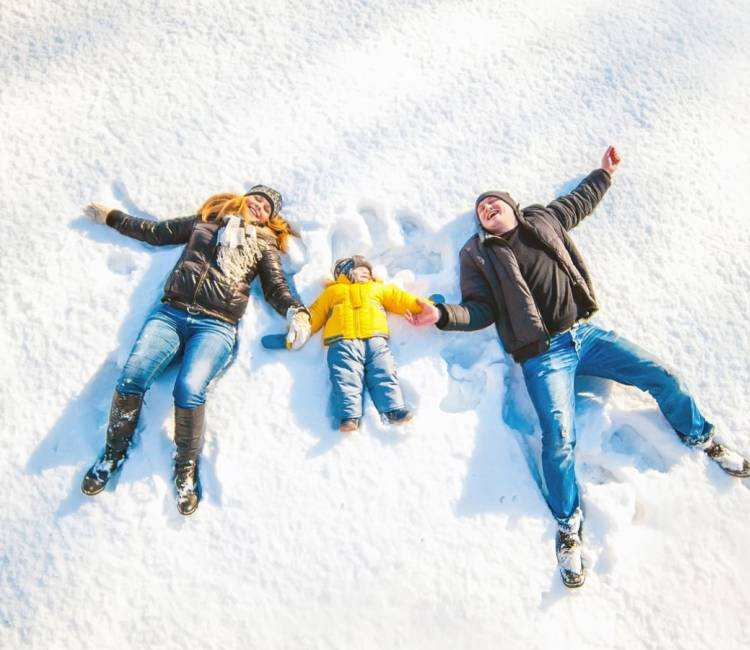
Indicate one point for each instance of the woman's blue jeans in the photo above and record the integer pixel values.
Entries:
(590, 350)
(206, 344)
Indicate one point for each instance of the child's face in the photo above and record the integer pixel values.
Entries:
(361, 274)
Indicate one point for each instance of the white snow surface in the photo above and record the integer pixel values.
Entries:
(380, 122)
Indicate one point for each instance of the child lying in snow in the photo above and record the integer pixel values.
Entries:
(353, 309)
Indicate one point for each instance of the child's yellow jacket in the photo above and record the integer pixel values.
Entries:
(357, 310)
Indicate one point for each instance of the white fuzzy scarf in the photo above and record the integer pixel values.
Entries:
(239, 249)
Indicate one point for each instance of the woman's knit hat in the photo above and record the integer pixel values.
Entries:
(268, 193)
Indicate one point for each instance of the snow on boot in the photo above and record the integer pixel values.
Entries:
(398, 416)
(189, 425)
(123, 418)
(187, 486)
(568, 548)
(349, 424)
(728, 459)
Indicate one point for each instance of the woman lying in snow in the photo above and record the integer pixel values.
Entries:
(353, 309)
(231, 240)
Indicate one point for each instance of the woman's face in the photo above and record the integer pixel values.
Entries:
(259, 207)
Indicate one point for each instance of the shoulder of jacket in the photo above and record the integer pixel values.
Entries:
(540, 213)
(534, 211)
(470, 244)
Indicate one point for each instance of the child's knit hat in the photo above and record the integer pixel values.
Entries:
(346, 265)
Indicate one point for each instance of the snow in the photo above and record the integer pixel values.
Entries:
(380, 122)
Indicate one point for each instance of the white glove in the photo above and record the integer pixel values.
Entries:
(299, 328)
(97, 212)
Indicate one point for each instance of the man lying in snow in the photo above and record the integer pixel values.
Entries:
(523, 273)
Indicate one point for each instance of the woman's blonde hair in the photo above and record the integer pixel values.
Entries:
(226, 203)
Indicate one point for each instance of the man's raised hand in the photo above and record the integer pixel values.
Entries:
(610, 160)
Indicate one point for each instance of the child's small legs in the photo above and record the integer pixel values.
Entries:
(351, 363)
(381, 376)
(346, 366)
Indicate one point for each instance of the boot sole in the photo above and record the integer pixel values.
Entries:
(93, 494)
(742, 474)
(403, 421)
(573, 581)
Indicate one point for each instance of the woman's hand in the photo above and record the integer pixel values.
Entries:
(428, 316)
(97, 212)
(299, 328)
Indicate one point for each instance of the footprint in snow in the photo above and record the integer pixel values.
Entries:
(626, 440)
(121, 262)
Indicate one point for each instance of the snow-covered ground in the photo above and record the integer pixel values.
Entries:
(380, 122)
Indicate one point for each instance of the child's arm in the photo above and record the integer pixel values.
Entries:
(319, 311)
(399, 301)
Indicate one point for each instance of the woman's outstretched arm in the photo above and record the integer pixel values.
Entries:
(156, 233)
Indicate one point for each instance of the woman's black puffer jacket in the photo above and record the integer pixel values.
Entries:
(196, 283)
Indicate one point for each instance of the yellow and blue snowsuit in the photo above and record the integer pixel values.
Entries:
(356, 333)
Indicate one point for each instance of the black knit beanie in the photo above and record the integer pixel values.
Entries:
(268, 193)
(503, 196)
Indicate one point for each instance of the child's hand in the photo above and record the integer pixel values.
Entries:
(428, 316)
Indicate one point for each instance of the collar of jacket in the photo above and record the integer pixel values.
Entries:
(485, 237)
(342, 279)
(263, 230)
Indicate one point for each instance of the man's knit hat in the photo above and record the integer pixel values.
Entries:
(268, 193)
(503, 196)
(346, 265)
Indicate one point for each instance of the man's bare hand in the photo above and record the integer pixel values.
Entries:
(428, 316)
(611, 160)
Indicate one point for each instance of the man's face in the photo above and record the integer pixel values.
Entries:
(496, 216)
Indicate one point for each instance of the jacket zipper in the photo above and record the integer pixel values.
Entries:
(204, 273)
(502, 242)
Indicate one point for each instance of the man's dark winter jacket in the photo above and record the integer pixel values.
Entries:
(196, 283)
(493, 289)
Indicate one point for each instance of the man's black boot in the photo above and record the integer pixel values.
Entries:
(189, 425)
(728, 459)
(568, 547)
(123, 418)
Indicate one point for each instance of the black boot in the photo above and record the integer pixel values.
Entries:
(123, 418)
(728, 459)
(189, 425)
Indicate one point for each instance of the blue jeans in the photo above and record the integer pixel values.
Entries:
(207, 346)
(590, 350)
(352, 363)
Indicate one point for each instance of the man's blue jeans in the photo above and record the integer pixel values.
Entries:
(590, 350)
(352, 363)
(206, 343)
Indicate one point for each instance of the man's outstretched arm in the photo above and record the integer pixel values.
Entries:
(571, 208)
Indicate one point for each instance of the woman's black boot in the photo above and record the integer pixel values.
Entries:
(123, 418)
(189, 425)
